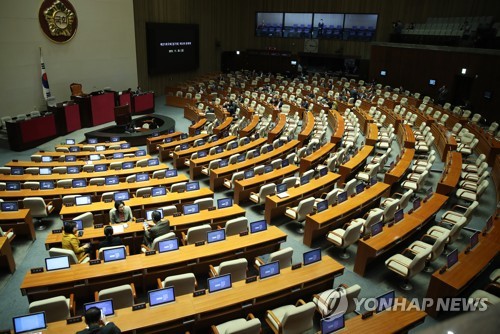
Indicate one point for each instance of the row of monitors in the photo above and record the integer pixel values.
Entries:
(189, 209)
(98, 148)
(91, 157)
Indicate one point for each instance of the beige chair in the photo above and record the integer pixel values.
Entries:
(5, 170)
(159, 174)
(97, 181)
(266, 190)
(236, 225)
(143, 192)
(169, 210)
(284, 256)
(178, 187)
(33, 185)
(59, 170)
(296, 318)
(130, 178)
(250, 325)
(372, 217)
(204, 203)
(87, 219)
(300, 211)
(195, 234)
(156, 242)
(142, 163)
(327, 300)
(237, 268)
(472, 196)
(108, 197)
(54, 251)
(229, 183)
(32, 170)
(436, 244)
(38, 209)
(65, 183)
(183, 284)
(408, 265)
(55, 308)
(9, 234)
(453, 232)
(344, 237)
(123, 296)
(214, 164)
(459, 211)
(115, 165)
(88, 168)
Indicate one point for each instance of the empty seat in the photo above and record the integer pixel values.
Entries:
(55, 308)
(183, 283)
(296, 318)
(346, 236)
(237, 268)
(284, 256)
(250, 325)
(123, 296)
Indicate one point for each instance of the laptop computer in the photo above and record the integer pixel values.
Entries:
(269, 270)
(258, 226)
(241, 158)
(29, 323)
(385, 301)
(73, 170)
(127, 165)
(216, 235)
(184, 146)
(189, 209)
(332, 324)
(281, 190)
(219, 283)
(311, 256)
(10, 206)
(268, 168)
(249, 173)
(304, 179)
(202, 154)
(56, 263)
(114, 254)
(223, 203)
(105, 305)
(78, 222)
(83, 200)
(193, 186)
(109, 180)
(223, 163)
(149, 213)
(121, 196)
(161, 296)
(218, 149)
(158, 191)
(168, 245)
(46, 185)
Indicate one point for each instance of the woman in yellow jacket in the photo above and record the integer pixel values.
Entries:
(70, 240)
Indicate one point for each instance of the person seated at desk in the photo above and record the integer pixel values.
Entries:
(70, 241)
(121, 213)
(110, 240)
(96, 323)
(155, 228)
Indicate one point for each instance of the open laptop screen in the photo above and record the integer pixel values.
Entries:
(269, 270)
(216, 235)
(385, 301)
(56, 263)
(268, 168)
(127, 165)
(161, 296)
(168, 245)
(109, 180)
(105, 305)
(13, 185)
(192, 186)
(141, 177)
(10, 206)
(29, 323)
(101, 167)
(249, 173)
(16, 170)
(78, 222)
(140, 153)
(70, 158)
(118, 155)
(149, 214)
(73, 170)
(47, 185)
(342, 197)
(322, 206)
(83, 200)
(158, 191)
(219, 283)
(153, 162)
(281, 188)
(79, 183)
(121, 196)
(171, 172)
(312, 256)
(114, 254)
(258, 226)
(190, 209)
(224, 203)
(332, 324)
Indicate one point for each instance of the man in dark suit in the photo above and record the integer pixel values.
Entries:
(155, 228)
(96, 323)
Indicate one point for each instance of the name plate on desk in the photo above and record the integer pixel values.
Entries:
(251, 279)
(242, 234)
(198, 293)
(74, 320)
(56, 231)
(150, 252)
(94, 262)
(36, 270)
(139, 306)
(139, 220)
(199, 243)
(296, 266)
(366, 315)
(212, 208)
(98, 225)
(177, 214)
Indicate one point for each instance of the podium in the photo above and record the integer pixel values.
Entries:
(67, 117)
(31, 132)
(96, 108)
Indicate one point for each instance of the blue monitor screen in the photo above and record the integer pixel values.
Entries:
(79, 183)
(78, 223)
(184, 135)
(359, 188)
(312, 256)
(376, 228)
(70, 158)
(398, 215)
(192, 186)
(171, 173)
(342, 197)
(105, 305)
(171, 130)
(184, 146)
(74, 149)
(16, 171)
(373, 180)
(168, 140)
(452, 258)
(109, 180)
(13, 185)
(9, 206)
(158, 191)
(149, 214)
(241, 158)
(285, 163)
(73, 170)
(45, 171)
(224, 203)
(190, 209)
(201, 142)
(70, 142)
(256, 154)
(303, 179)
(92, 141)
(322, 206)
(29, 323)
(323, 171)
(258, 226)
(101, 168)
(219, 283)
(234, 145)
(249, 173)
(125, 145)
(121, 196)
(46, 185)
(268, 168)
(385, 301)
(127, 165)
(141, 177)
(161, 296)
(416, 204)
(218, 149)
(140, 153)
(202, 154)
(153, 162)
(474, 239)
(46, 159)
(223, 163)
(269, 270)
(332, 324)
(118, 155)
(281, 188)
(114, 139)
(216, 235)
(168, 245)
(114, 254)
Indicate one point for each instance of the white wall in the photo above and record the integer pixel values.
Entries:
(101, 54)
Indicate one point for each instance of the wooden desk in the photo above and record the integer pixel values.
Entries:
(319, 224)
(218, 175)
(388, 321)
(312, 160)
(372, 135)
(84, 154)
(276, 206)
(369, 250)
(401, 167)
(81, 145)
(250, 127)
(336, 121)
(451, 174)
(223, 126)
(276, 131)
(487, 144)
(243, 188)
(191, 112)
(408, 136)
(79, 163)
(139, 203)
(356, 162)
(196, 128)
(152, 142)
(180, 156)
(443, 140)
(21, 221)
(452, 282)
(200, 312)
(307, 128)
(84, 279)
(196, 165)
(165, 148)
(6, 257)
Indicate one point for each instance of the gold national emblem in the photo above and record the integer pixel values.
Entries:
(58, 20)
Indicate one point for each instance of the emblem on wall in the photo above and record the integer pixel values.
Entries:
(58, 20)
